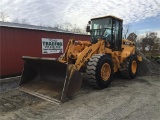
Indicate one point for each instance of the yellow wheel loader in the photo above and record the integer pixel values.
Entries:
(106, 53)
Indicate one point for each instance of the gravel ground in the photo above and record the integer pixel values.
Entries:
(137, 99)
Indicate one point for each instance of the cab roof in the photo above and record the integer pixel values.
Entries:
(108, 16)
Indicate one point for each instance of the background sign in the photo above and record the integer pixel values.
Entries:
(50, 46)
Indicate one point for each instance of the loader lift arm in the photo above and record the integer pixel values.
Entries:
(83, 53)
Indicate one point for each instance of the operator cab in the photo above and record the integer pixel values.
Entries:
(108, 28)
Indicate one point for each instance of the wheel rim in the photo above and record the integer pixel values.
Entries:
(105, 71)
(134, 67)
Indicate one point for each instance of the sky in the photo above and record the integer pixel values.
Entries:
(142, 15)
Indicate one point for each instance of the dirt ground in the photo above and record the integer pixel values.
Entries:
(137, 99)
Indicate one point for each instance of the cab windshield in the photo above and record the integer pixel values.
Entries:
(101, 23)
(101, 29)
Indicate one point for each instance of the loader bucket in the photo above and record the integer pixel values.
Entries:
(49, 79)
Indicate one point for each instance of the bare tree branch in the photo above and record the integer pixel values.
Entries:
(20, 21)
(24, 21)
(58, 26)
(3, 16)
(132, 37)
(67, 26)
(16, 20)
(126, 29)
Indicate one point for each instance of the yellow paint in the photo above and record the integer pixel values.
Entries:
(105, 71)
(79, 52)
(134, 67)
(139, 58)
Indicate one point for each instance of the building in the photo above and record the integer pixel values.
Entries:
(17, 40)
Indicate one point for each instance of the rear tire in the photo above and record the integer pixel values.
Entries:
(131, 67)
(100, 70)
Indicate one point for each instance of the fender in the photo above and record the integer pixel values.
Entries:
(88, 52)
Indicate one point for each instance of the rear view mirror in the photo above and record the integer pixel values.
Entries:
(88, 29)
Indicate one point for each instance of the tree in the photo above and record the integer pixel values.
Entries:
(144, 44)
(74, 28)
(152, 37)
(67, 26)
(21, 21)
(3, 16)
(156, 46)
(16, 20)
(58, 26)
(150, 41)
(40, 24)
(24, 21)
(126, 29)
(132, 37)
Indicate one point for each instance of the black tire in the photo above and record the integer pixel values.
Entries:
(93, 70)
(127, 72)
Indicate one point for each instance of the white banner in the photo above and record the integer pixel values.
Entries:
(50, 46)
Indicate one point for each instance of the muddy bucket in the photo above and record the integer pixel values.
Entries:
(49, 79)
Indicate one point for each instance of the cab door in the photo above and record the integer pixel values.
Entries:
(117, 34)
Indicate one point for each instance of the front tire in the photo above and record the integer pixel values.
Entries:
(100, 70)
(131, 67)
